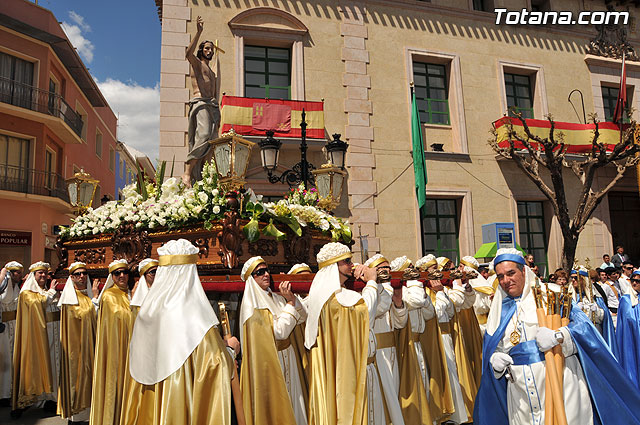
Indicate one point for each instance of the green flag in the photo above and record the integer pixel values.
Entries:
(419, 166)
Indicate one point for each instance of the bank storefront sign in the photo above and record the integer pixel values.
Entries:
(12, 238)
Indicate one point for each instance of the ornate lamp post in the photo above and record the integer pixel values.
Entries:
(302, 172)
(81, 188)
(231, 156)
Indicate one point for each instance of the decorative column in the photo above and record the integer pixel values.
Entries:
(174, 94)
(360, 161)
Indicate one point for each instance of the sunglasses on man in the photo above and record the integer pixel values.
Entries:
(78, 274)
(260, 272)
(635, 280)
(119, 272)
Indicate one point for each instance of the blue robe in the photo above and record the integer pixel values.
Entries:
(628, 338)
(614, 398)
(608, 331)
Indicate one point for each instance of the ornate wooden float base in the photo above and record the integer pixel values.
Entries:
(223, 248)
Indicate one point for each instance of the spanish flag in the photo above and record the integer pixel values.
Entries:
(577, 137)
(253, 117)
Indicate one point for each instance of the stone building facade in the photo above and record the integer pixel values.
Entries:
(360, 58)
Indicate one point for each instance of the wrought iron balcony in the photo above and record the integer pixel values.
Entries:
(46, 102)
(28, 180)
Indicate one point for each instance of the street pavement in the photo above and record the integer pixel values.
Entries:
(32, 416)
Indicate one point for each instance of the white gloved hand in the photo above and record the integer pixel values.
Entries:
(546, 339)
(500, 361)
(594, 307)
(580, 305)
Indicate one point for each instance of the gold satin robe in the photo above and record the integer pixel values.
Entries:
(441, 398)
(32, 369)
(338, 360)
(115, 324)
(264, 393)
(467, 340)
(77, 343)
(199, 393)
(412, 393)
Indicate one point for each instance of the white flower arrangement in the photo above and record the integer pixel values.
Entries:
(172, 205)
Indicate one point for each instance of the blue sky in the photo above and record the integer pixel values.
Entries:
(119, 41)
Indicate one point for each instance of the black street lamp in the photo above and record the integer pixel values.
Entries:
(300, 172)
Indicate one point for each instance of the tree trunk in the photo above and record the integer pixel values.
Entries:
(569, 247)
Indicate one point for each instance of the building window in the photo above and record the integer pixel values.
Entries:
(16, 81)
(609, 99)
(112, 159)
(54, 90)
(540, 5)
(532, 232)
(14, 160)
(14, 152)
(84, 117)
(267, 72)
(49, 168)
(98, 143)
(519, 94)
(483, 5)
(440, 229)
(431, 92)
(122, 169)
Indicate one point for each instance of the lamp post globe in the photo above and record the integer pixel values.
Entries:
(270, 152)
(337, 150)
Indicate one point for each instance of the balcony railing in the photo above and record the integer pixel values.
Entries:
(46, 102)
(28, 180)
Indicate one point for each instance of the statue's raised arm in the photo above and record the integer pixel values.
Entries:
(204, 114)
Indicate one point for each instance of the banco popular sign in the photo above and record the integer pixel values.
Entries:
(8, 237)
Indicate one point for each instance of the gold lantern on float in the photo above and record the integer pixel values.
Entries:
(81, 188)
(231, 155)
(329, 182)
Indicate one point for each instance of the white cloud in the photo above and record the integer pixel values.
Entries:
(75, 33)
(80, 21)
(138, 111)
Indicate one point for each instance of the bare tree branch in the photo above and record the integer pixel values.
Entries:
(549, 154)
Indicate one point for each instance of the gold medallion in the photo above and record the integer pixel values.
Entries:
(515, 337)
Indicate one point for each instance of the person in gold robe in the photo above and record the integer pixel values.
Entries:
(425, 391)
(337, 335)
(448, 323)
(467, 333)
(389, 316)
(180, 366)
(77, 342)
(147, 270)
(10, 279)
(272, 377)
(37, 344)
(115, 321)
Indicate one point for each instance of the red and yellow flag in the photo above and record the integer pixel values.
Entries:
(577, 137)
(253, 117)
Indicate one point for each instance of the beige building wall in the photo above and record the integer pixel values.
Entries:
(357, 57)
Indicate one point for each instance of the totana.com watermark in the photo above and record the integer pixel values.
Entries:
(527, 17)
